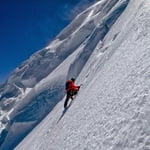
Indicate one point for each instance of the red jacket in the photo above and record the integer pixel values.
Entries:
(71, 86)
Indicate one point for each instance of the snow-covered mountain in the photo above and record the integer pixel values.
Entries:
(106, 48)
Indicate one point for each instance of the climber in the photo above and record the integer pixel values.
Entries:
(71, 90)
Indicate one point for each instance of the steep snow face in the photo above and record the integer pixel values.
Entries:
(112, 110)
(37, 85)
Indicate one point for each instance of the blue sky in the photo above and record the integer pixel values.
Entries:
(29, 25)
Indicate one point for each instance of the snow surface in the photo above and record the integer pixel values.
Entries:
(36, 86)
(109, 54)
(112, 109)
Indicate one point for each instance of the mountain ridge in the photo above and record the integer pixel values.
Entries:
(28, 92)
(111, 112)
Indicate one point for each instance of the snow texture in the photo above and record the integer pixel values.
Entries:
(107, 49)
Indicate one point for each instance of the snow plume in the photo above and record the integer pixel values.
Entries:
(81, 50)
(82, 5)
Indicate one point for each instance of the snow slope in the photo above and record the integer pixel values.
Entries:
(36, 86)
(112, 110)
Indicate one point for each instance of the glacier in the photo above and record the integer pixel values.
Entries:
(106, 48)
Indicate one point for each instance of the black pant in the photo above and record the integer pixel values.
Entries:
(70, 94)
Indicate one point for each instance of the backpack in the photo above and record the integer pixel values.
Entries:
(67, 84)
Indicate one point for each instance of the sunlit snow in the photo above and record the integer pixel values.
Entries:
(106, 48)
